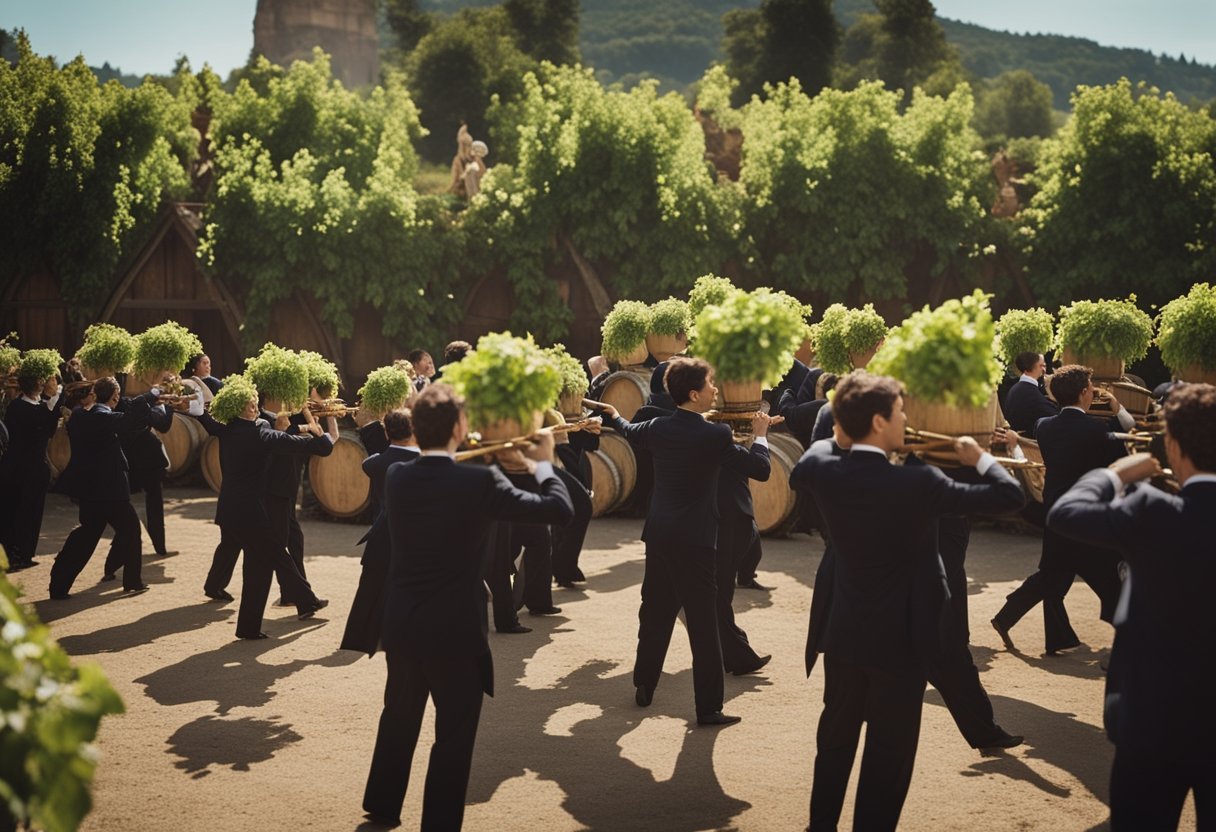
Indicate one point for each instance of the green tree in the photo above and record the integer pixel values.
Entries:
(1014, 105)
(904, 47)
(83, 169)
(782, 39)
(1126, 200)
(408, 22)
(547, 30)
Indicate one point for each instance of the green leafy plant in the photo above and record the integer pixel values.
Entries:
(505, 377)
(238, 391)
(750, 336)
(1024, 330)
(322, 373)
(1186, 329)
(845, 332)
(167, 346)
(279, 374)
(107, 347)
(1105, 329)
(803, 310)
(574, 379)
(669, 317)
(944, 355)
(50, 715)
(10, 356)
(386, 388)
(709, 290)
(625, 328)
(40, 364)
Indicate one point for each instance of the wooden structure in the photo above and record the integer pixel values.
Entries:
(34, 308)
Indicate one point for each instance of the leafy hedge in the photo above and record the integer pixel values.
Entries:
(1186, 329)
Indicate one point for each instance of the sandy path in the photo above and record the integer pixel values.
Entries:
(228, 735)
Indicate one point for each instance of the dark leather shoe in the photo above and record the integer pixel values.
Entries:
(284, 602)
(759, 664)
(108, 576)
(753, 584)
(643, 696)
(18, 565)
(59, 596)
(309, 610)
(999, 739)
(718, 718)
(1055, 651)
(382, 820)
(578, 576)
(218, 595)
(136, 590)
(252, 638)
(1003, 632)
(549, 611)
(515, 629)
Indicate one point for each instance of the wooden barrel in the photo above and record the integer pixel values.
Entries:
(182, 444)
(59, 450)
(1032, 479)
(773, 500)
(209, 462)
(605, 483)
(342, 489)
(627, 391)
(617, 448)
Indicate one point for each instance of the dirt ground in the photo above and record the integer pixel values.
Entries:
(235, 735)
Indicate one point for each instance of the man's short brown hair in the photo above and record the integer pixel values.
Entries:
(436, 412)
(105, 388)
(1069, 382)
(456, 351)
(398, 425)
(683, 376)
(1027, 361)
(860, 396)
(1190, 418)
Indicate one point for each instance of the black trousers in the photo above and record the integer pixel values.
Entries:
(1148, 788)
(95, 515)
(568, 539)
(154, 509)
(455, 685)
(888, 701)
(1062, 561)
(287, 532)
(23, 503)
(263, 556)
(735, 534)
(496, 572)
(536, 541)
(749, 561)
(680, 577)
(223, 563)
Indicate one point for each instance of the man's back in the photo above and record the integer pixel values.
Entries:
(1073, 443)
(1025, 405)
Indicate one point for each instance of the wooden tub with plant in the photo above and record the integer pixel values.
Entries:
(108, 350)
(507, 383)
(667, 331)
(1103, 334)
(624, 343)
(1186, 335)
(846, 339)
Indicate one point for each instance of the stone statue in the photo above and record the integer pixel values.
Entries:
(475, 169)
(464, 155)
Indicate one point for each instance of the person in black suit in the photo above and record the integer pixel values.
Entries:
(1026, 402)
(247, 444)
(96, 476)
(25, 476)
(424, 367)
(1159, 691)
(737, 534)
(882, 627)
(659, 397)
(681, 535)
(366, 617)
(147, 460)
(800, 415)
(576, 474)
(1072, 443)
(435, 628)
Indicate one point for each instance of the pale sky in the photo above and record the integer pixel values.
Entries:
(142, 36)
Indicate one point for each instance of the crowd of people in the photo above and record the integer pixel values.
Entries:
(889, 612)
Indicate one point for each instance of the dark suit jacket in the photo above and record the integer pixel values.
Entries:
(376, 466)
(144, 451)
(98, 467)
(882, 519)
(688, 452)
(1159, 687)
(806, 391)
(246, 448)
(1073, 444)
(286, 470)
(30, 428)
(1024, 405)
(825, 424)
(373, 437)
(439, 514)
(734, 493)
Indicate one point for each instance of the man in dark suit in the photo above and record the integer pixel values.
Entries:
(96, 476)
(882, 627)
(1072, 443)
(247, 444)
(568, 539)
(681, 535)
(366, 618)
(1159, 691)
(31, 421)
(1026, 402)
(435, 629)
(737, 534)
(424, 367)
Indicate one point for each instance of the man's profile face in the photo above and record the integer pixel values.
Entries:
(703, 399)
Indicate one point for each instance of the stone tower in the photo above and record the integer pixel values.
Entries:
(287, 30)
